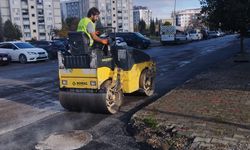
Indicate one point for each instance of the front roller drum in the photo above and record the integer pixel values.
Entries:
(109, 102)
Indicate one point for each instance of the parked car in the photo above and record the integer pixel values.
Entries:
(64, 41)
(23, 51)
(134, 39)
(220, 33)
(195, 35)
(212, 34)
(52, 47)
(4, 59)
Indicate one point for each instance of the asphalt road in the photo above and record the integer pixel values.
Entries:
(30, 111)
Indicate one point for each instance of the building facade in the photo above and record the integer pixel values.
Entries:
(70, 9)
(184, 17)
(35, 18)
(142, 13)
(114, 13)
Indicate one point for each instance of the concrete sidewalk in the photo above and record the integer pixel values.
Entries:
(211, 111)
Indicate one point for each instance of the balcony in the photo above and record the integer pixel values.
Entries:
(39, 6)
(42, 30)
(24, 6)
(25, 16)
(42, 37)
(26, 30)
(26, 23)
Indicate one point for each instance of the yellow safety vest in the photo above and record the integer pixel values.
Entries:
(82, 27)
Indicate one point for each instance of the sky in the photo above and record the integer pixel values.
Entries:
(162, 8)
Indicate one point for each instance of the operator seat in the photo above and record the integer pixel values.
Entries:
(79, 43)
(80, 51)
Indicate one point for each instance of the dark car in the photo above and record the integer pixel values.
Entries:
(212, 34)
(52, 47)
(64, 41)
(134, 39)
(4, 59)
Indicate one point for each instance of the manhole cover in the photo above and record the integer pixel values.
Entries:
(65, 141)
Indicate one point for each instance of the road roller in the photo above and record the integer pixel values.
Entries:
(100, 88)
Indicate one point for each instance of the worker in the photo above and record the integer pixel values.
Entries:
(87, 26)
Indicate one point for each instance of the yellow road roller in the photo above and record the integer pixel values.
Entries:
(100, 88)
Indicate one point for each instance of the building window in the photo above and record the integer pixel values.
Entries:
(32, 7)
(113, 1)
(114, 21)
(34, 23)
(26, 26)
(33, 15)
(113, 15)
(113, 8)
(34, 31)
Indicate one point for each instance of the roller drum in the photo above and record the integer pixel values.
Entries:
(88, 102)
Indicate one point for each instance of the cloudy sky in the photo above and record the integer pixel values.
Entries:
(163, 8)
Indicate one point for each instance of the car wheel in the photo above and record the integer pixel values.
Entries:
(22, 59)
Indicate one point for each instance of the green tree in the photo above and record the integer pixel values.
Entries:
(18, 33)
(63, 32)
(136, 27)
(228, 15)
(152, 27)
(167, 23)
(99, 24)
(72, 23)
(9, 31)
(142, 26)
(157, 27)
(1, 29)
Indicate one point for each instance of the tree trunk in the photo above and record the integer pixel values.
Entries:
(242, 43)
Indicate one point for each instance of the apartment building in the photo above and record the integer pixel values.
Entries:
(184, 17)
(142, 13)
(70, 9)
(36, 18)
(114, 13)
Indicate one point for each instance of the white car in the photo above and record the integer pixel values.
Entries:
(195, 35)
(23, 51)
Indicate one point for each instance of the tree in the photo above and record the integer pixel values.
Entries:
(167, 23)
(157, 27)
(136, 27)
(99, 24)
(18, 33)
(72, 23)
(9, 31)
(152, 27)
(63, 32)
(1, 29)
(228, 15)
(142, 26)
